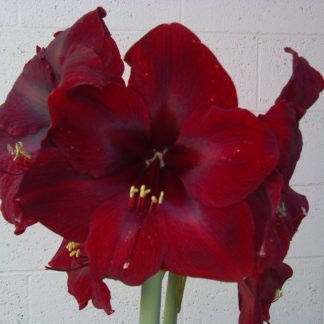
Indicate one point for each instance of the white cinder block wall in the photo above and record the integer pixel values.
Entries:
(248, 37)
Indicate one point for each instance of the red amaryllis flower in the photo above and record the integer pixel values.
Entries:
(82, 284)
(277, 209)
(82, 54)
(154, 176)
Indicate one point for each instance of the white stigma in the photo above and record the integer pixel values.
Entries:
(157, 155)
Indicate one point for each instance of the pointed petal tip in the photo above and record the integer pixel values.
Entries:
(290, 50)
(82, 306)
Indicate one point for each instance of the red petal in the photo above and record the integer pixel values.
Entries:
(82, 283)
(304, 86)
(280, 227)
(183, 237)
(68, 199)
(12, 171)
(125, 245)
(25, 109)
(283, 120)
(263, 204)
(232, 154)
(85, 53)
(200, 240)
(100, 131)
(256, 294)
(174, 71)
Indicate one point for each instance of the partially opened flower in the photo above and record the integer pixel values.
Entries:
(82, 54)
(154, 176)
(277, 208)
(82, 284)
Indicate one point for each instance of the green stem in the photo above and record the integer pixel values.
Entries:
(170, 307)
(151, 300)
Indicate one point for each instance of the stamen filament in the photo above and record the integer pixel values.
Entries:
(132, 191)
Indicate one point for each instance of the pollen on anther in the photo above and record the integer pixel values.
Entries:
(75, 253)
(72, 249)
(161, 197)
(144, 191)
(132, 191)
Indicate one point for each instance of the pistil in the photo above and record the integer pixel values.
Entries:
(156, 155)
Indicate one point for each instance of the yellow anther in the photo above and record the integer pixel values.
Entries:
(281, 209)
(278, 295)
(161, 197)
(72, 246)
(132, 191)
(75, 253)
(154, 200)
(17, 151)
(144, 191)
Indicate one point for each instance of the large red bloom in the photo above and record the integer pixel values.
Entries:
(82, 54)
(166, 173)
(277, 209)
(154, 176)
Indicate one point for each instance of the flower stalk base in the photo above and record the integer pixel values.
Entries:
(151, 299)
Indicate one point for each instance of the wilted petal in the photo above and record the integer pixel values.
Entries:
(256, 294)
(304, 86)
(283, 120)
(85, 53)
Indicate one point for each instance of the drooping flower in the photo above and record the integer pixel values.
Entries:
(82, 54)
(277, 209)
(154, 176)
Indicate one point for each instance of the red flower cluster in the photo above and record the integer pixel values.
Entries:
(164, 173)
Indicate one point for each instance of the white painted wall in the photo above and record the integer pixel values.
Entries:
(248, 37)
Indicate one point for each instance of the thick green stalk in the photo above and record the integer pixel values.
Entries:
(170, 307)
(151, 300)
